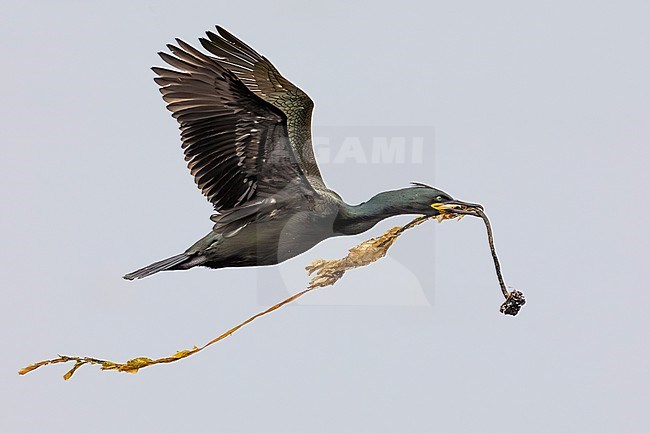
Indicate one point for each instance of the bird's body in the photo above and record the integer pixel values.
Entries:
(246, 134)
(281, 237)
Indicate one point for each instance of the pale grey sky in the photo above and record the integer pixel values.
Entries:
(537, 110)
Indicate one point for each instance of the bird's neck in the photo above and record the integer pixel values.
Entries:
(353, 220)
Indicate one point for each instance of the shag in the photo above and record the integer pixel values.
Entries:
(246, 134)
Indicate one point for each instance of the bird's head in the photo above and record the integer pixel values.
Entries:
(419, 199)
(427, 200)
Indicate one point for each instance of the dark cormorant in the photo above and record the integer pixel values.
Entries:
(246, 133)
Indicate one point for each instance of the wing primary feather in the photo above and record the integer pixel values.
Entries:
(235, 142)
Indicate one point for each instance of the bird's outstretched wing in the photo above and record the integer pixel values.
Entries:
(263, 79)
(236, 144)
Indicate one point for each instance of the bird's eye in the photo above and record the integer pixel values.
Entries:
(440, 198)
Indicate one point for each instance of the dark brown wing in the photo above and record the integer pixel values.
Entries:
(263, 79)
(236, 144)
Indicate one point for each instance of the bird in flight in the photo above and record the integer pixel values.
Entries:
(246, 135)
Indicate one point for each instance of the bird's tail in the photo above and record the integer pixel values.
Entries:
(163, 265)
